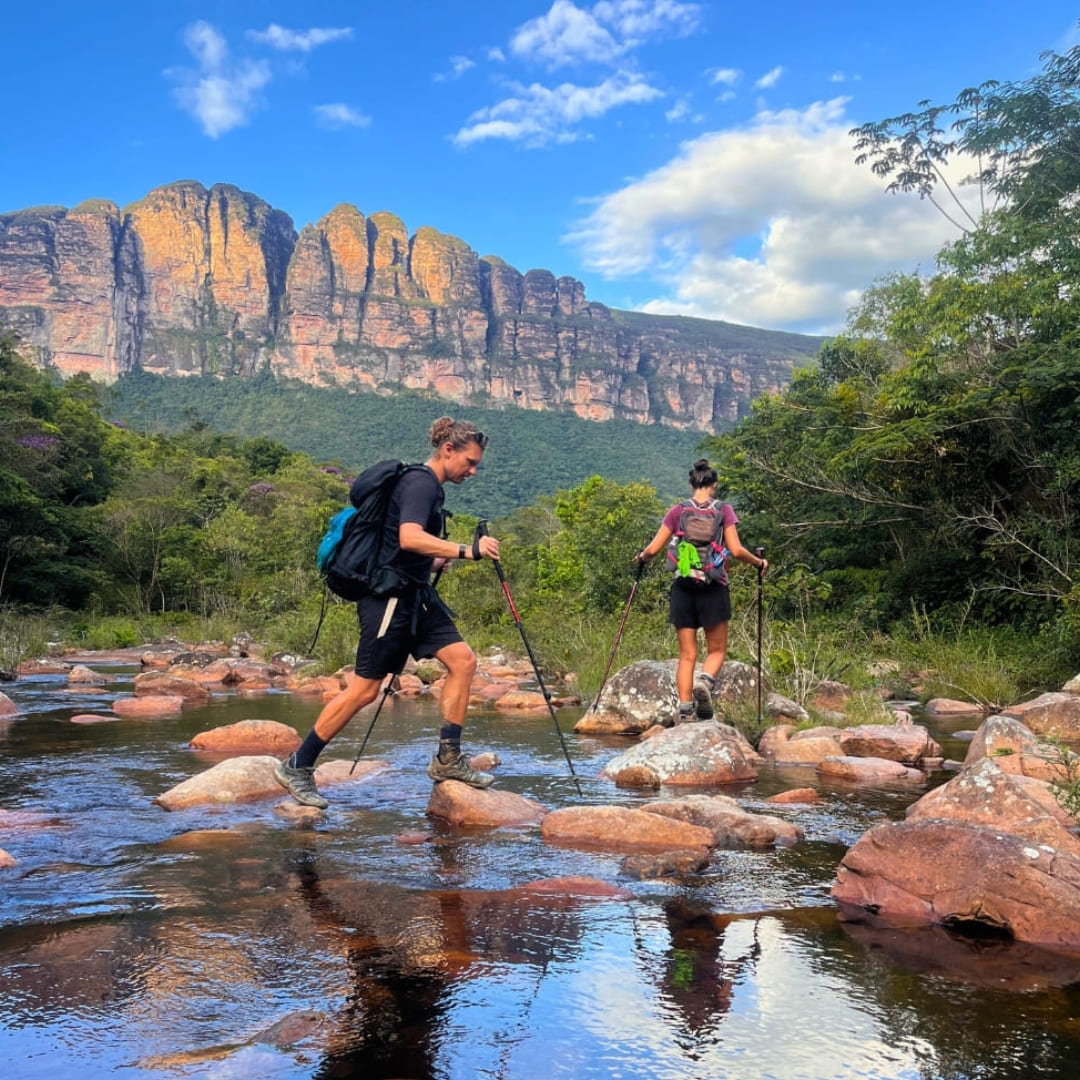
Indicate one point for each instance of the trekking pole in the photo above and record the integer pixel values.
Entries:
(371, 727)
(760, 552)
(482, 530)
(618, 637)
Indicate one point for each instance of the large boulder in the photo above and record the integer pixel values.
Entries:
(1049, 714)
(907, 743)
(460, 804)
(1014, 749)
(634, 699)
(731, 825)
(249, 737)
(617, 828)
(644, 693)
(988, 848)
(702, 754)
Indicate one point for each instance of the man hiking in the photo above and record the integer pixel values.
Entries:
(415, 622)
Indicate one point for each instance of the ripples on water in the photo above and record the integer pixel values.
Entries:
(225, 942)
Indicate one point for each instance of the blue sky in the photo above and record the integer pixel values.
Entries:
(677, 157)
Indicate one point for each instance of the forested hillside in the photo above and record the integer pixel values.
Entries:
(530, 453)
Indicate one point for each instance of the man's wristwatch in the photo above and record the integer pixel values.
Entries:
(461, 551)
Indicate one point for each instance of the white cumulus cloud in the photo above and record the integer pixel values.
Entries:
(285, 40)
(337, 116)
(536, 115)
(726, 76)
(770, 224)
(769, 79)
(221, 93)
(568, 34)
(458, 66)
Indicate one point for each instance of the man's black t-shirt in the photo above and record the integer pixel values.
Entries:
(418, 498)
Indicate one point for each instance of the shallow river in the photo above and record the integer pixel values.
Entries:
(231, 943)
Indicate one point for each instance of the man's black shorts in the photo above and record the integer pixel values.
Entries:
(694, 605)
(385, 645)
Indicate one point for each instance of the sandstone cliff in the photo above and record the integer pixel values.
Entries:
(193, 281)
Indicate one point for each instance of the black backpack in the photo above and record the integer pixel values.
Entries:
(355, 557)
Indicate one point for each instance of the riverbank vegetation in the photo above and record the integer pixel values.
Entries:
(917, 490)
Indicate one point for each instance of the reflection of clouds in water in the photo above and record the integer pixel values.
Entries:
(787, 1015)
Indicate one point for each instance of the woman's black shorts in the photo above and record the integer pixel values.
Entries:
(694, 605)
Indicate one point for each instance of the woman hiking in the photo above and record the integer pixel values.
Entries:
(699, 534)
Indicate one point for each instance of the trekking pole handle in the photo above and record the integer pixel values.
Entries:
(482, 530)
(760, 553)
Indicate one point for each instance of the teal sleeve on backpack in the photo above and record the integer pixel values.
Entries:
(332, 540)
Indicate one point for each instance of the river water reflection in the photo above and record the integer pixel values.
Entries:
(228, 942)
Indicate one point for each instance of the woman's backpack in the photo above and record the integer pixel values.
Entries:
(696, 550)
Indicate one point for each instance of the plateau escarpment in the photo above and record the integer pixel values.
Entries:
(191, 280)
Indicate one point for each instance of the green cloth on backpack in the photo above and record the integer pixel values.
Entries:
(689, 560)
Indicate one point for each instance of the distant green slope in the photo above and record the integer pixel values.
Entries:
(778, 345)
(530, 453)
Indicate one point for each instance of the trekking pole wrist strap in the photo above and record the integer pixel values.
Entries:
(476, 548)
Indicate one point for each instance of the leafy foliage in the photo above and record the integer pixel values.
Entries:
(932, 458)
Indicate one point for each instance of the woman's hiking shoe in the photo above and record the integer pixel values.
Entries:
(458, 768)
(703, 688)
(299, 783)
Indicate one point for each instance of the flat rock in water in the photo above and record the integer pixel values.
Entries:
(907, 743)
(159, 683)
(730, 824)
(148, 706)
(521, 699)
(794, 795)
(585, 888)
(7, 862)
(701, 754)
(648, 866)
(616, 828)
(242, 779)
(81, 675)
(236, 780)
(249, 737)
(868, 770)
(460, 804)
(7, 706)
(93, 718)
(950, 707)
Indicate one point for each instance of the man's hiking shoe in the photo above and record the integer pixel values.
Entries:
(299, 783)
(458, 768)
(703, 698)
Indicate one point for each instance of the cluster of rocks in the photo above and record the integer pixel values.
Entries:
(178, 676)
(992, 846)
